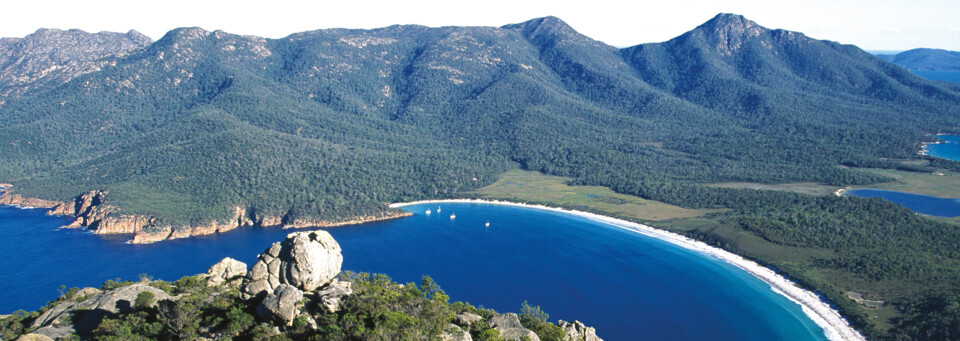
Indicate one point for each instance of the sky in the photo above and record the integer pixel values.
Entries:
(869, 24)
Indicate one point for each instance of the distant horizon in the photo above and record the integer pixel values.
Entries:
(881, 25)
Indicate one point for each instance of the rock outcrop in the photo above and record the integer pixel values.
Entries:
(510, 328)
(34, 337)
(50, 57)
(90, 310)
(282, 305)
(18, 200)
(228, 270)
(89, 210)
(455, 333)
(306, 260)
(577, 331)
(467, 319)
(331, 295)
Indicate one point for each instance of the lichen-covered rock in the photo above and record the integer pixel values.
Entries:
(467, 319)
(510, 328)
(281, 306)
(577, 331)
(228, 270)
(331, 295)
(87, 314)
(306, 260)
(455, 333)
(34, 337)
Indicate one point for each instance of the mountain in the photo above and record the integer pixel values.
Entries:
(199, 122)
(926, 60)
(50, 57)
(216, 129)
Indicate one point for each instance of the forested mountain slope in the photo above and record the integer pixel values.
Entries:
(356, 118)
(332, 124)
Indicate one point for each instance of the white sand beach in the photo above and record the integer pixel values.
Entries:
(833, 324)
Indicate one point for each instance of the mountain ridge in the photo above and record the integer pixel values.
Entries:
(331, 124)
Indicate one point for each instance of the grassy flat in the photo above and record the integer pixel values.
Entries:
(532, 186)
(944, 186)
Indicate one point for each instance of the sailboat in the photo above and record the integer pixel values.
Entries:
(487, 224)
(453, 216)
(438, 209)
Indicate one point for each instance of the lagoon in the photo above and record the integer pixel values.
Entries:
(628, 285)
(925, 204)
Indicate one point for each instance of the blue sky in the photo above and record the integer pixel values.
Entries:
(872, 25)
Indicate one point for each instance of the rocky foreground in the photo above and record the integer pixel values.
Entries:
(295, 291)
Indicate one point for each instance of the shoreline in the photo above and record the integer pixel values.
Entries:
(835, 327)
(86, 213)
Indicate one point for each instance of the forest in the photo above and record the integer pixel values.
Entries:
(337, 123)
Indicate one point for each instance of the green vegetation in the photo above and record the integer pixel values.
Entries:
(943, 183)
(334, 123)
(527, 186)
(378, 309)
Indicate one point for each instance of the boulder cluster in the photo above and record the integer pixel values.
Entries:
(287, 270)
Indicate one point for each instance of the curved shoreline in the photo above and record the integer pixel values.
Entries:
(835, 327)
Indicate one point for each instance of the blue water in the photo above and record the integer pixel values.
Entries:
(949, 149)
(945, 76)
(929, 205)
(627, 285)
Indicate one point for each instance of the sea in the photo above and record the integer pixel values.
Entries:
(949, 148)
(627, 285)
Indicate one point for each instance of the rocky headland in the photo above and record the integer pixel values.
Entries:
(296, 289)
(90, 211)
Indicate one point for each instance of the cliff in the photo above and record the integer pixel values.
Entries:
(241, 219)
(90, 211)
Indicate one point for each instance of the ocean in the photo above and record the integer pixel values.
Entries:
(629, 286)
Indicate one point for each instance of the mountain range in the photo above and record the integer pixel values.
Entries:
(330, 125)
(356, 118)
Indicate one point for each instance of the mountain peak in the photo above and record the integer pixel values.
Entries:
(544, 25)
(730, 21)
(727, 32)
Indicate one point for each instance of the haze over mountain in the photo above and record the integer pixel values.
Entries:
(332, 124)
(926, 60)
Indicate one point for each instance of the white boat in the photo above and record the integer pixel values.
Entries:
(453, 216)
(428, 212)
(487, 224)
(438, 209)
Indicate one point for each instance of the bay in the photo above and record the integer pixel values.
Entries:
(949, 148)
(627, 285)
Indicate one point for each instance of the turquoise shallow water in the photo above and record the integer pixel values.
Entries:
(627, 285)
(949, 149)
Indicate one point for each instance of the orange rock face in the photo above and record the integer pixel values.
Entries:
(90, 211)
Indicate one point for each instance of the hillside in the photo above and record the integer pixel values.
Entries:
(926, 60)
(330, 125)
